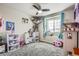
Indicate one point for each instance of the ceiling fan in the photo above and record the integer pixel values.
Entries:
(38, 7)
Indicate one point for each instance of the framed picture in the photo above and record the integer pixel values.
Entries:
(10, 26)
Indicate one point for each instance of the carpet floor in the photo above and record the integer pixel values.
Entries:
(37, 49)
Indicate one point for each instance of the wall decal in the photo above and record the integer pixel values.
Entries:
(25, 20)
(69, 36)
(0, 21)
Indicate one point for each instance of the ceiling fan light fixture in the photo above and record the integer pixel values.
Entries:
(40, 11)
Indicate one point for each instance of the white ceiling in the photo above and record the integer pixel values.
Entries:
(29, 9)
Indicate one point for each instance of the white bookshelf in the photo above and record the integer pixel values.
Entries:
(14, 44)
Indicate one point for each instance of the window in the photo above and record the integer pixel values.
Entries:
(52, 24)
(57, 25)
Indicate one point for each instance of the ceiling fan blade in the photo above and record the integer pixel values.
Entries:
(37, 6)
(45, 9)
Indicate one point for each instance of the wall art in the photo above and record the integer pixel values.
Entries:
(10, 26)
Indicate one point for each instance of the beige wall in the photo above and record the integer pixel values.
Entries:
(69, 15)
(11, 14)
(69, 44)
